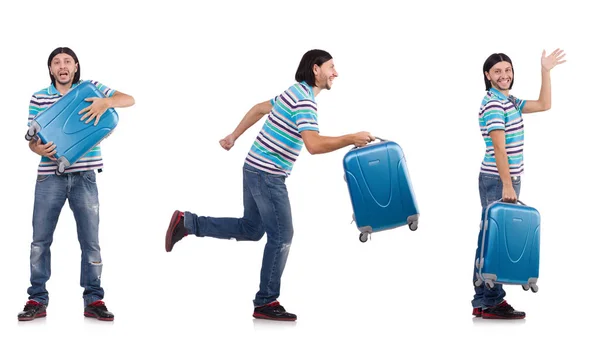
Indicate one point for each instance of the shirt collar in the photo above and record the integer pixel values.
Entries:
(53, 91)
(310, 89)
(498, 93)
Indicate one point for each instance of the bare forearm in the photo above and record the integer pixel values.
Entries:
(502, 165)
(120, 100)
(253, 116)
(545, 91)
(330, 144)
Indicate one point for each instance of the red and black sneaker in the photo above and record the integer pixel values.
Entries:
(176, 230)
(477, 312)
(99, 311)
(502, 311)
(32, 310)
(273, 311)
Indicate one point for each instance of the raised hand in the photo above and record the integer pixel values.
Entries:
(553, 59)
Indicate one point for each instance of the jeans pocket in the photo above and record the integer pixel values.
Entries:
(251, 171)
(90, 176)
(42, 178)
(490, 189)
(275, 180)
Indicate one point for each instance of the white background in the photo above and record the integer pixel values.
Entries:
(410, 72)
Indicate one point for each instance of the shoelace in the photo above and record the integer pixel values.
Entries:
(278, 308)
(29, 306)
(100, 305)
(506, 307)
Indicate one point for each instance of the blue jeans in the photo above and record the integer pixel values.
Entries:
(490, 190)
(51, 192)
(266, 209)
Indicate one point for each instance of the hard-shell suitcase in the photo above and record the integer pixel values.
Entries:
(380, 188)
(510, 246)
(61, 124)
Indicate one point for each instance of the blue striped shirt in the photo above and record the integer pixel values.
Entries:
(498, 112)
(279, 142)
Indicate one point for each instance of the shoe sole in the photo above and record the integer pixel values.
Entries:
(500, 317)
(39, 315)
(91, 315)
(169, 237)
(261, 316)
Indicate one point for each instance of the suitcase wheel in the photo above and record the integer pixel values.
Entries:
(533, 286)
(413, 226)
(60, 170)
(363, 237)
(28, 135)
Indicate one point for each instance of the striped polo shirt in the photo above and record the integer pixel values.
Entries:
(42, 100)
(279, 142)
(498, 112)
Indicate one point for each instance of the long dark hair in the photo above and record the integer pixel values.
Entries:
(69, 52)
(305, 68)
(490, 62)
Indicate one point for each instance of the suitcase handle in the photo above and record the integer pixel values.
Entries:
(518, 201)
(381, 140)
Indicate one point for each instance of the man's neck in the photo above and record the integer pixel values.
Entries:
(504, 92)
(316, 91)
(62, 89)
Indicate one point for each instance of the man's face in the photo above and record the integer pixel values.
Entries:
(325, 74)
(63, 68)
(501, 75)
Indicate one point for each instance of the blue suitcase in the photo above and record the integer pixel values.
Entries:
(510, 246)
(61, 124)
(380, 188)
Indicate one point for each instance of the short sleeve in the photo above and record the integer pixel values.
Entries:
(305, 116)
(107, 91)
(520, 103)
(493, 116)
(34, 109)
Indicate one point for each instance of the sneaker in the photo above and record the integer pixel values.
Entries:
(99, 311)
(176, 230)
(502, 311)
(32, 310)
(273, 311)
(477, 312)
